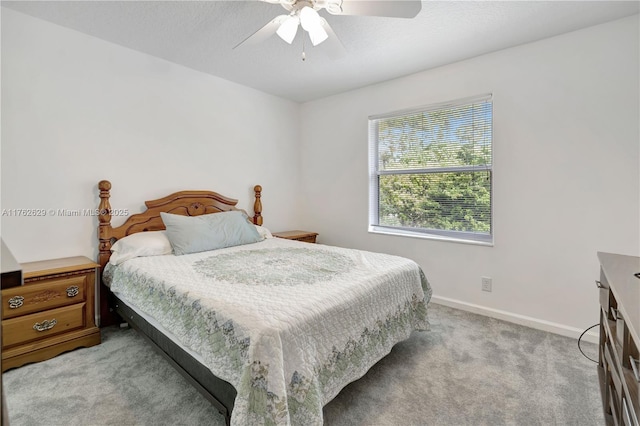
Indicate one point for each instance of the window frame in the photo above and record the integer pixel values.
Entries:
(375, 174)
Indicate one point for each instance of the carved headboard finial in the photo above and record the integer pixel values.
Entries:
(104, 185)
(105, 207)
(257, 205)
(104, 225)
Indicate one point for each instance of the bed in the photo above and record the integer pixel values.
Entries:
(270, 330)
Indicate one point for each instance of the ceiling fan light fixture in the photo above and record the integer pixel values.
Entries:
(309, 18)
(305, 13)
(311, 22)
(289, 28)
(318, 35)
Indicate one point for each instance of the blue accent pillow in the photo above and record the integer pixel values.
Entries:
(192, 234)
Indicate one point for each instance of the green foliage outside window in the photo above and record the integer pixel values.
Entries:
(434, 169)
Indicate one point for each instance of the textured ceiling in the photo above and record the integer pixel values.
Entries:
(201, 35)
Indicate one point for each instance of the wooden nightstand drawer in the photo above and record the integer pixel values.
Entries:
(42, 324)
(51, 313)
(46, 294)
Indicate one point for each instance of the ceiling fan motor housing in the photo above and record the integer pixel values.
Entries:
(332, 6)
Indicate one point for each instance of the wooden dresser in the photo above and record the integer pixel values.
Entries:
(305, 236)
(619, 338)
(53, 312)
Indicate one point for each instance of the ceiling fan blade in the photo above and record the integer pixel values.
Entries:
(390, 8)
(333, 46)
(263, 33)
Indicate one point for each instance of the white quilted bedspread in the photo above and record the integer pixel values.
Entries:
(288, 324)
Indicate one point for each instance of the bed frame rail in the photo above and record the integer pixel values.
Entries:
(220, 393)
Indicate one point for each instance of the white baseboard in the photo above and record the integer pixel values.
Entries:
(552, 327)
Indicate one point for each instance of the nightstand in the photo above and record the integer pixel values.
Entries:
(52, 312)
(305, 236)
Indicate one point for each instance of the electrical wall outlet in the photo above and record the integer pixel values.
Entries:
(486, 283)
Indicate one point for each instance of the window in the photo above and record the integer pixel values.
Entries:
(431, 171)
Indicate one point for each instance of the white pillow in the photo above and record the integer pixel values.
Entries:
(150, 243)
(264, 232)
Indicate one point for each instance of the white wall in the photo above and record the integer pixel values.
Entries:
(566, 181)
(76, 109)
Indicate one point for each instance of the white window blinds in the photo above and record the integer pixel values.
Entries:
(431, 170)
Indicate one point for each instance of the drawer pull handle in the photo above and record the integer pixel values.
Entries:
(15, 302)
(72, 291)
(45, 325)
(616, 314)
(635, 366)
(599, 284)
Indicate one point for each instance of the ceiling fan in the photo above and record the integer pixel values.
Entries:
(304, 13)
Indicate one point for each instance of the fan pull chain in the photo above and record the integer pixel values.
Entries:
(304, 56)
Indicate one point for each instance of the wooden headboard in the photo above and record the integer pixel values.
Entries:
(186, 203)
